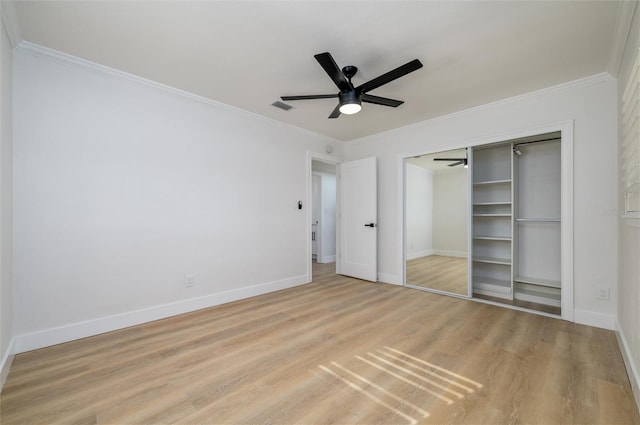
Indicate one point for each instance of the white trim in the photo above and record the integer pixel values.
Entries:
(66, 59)
(10, 18)
(626, 10)
(566, 230)
(445, 253)
(598, 320)
(5, 365)
(66, 333)
(419, 254)
(582, 82)
(470, 223)
(327, 259)
(426, 253)
(401, 214)
(632, 370)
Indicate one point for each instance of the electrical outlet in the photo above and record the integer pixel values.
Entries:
(603, 293)
(191, 281)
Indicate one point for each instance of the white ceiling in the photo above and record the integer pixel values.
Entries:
(247, 54)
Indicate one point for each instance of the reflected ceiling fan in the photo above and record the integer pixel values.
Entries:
(350, 98)
(456, 161)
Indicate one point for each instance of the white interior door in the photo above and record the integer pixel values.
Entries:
(358, 219)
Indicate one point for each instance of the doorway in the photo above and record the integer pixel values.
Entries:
(323, 212)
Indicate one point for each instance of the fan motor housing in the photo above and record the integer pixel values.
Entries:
(350, 96)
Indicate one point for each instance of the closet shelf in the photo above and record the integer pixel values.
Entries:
(491, 215)
(493, 238)
(537, 297)
(539, 220)
(493, 260)
(491, 284)
(492, 203)
(539, 282)
(488, 182)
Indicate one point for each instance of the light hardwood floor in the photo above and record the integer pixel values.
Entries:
(439, 272)
(338, 350)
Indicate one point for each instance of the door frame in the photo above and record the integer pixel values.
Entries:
(329, 159)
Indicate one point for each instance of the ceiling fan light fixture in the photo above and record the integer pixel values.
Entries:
(350, 108)
(349, 103)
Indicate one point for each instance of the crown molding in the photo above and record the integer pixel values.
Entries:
(10, 20)
(626, 12)
(47, 53)
(581, 82)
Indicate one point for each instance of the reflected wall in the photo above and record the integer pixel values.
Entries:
(436, 217)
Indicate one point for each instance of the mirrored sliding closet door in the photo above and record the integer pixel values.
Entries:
(437, 222)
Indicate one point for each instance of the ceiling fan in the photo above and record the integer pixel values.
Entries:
(456, 161)
(350, 97)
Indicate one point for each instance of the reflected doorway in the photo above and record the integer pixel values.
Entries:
(437, 222)
(323, 212)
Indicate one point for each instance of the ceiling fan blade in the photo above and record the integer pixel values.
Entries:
(335, 113)
(390, 76)
(369, 98)
(331, 68)
(309, 96)
(449, 159)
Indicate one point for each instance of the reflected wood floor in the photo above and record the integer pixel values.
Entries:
(439, 272)
(338, 350)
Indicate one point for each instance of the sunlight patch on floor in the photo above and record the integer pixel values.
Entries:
(445, 385)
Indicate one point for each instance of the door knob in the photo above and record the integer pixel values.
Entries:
(370, 225)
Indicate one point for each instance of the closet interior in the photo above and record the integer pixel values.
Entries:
(516, 226)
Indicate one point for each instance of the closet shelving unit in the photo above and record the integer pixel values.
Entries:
(516, 221)
(492, 222)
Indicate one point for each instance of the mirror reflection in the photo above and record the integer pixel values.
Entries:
(437, 221)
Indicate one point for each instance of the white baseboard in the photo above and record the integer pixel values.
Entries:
(60, 334)
(417, 254)
(598, 320)
(327, 259)
(7, 359)
(459, 254)
(627, 356)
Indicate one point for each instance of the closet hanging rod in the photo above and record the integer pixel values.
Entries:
(515, 145)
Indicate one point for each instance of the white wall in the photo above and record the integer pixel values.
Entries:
(419, 212)
(629, 242)
(6, 194)
(451, 212)
(591, 104)
(123, 188)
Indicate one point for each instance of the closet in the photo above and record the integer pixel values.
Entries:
(516, 226)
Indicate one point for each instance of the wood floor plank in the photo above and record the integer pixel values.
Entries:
(338, 350)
